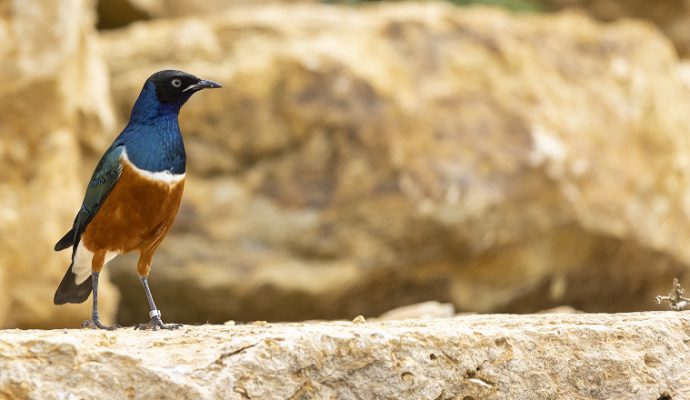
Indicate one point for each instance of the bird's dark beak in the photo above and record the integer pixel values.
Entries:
(202, 84)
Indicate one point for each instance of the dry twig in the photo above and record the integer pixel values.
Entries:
(675, 297)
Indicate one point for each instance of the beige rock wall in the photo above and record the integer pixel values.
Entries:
(671, 16)
(555, 356)
(360, 159)
(119, 13)
(54, 89)
(184, 8)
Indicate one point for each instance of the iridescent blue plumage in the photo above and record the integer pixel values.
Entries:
(152, 137)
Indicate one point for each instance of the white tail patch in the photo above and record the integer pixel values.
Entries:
(158, 176)
(81, 268)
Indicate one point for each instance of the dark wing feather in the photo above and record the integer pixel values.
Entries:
(66, 241)
(102, 181)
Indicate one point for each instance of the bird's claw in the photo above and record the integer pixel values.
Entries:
(95, 323)
(155, 324)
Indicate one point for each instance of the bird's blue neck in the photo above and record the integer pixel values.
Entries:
(152, 136)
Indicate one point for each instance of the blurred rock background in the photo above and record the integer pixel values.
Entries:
(505, 157)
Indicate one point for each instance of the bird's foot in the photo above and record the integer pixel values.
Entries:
(155, 324)
(95, 323)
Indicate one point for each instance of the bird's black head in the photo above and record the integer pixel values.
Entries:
(176, 87)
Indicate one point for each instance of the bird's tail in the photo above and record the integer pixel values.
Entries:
(71, 292)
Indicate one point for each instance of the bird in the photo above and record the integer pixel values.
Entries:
(133, 195)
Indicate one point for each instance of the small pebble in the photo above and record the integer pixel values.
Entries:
(359, 320)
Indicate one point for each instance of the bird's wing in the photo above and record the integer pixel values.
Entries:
(102, 181)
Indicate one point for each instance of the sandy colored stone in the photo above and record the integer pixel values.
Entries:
(424, 311)
(119, 13)
(556, 356)
(360, 159)
(54, 90)
(671, 16)
(560, 310)
(184, 8)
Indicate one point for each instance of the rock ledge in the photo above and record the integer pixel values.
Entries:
(549, 356)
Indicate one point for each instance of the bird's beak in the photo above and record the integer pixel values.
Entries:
(202, 84)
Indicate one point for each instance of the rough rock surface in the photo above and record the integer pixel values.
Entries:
(556, 356)
(183, 8)
(361, 159)
(119, 13)
(54, 89)
(672, 16)
(426, 310)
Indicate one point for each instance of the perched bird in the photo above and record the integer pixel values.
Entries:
(133, 195)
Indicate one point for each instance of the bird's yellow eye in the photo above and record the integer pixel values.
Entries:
(176, 83)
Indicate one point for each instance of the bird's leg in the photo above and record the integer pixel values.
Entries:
(95, 321)
(156, 322)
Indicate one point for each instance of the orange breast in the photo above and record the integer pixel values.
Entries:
(136, 215)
